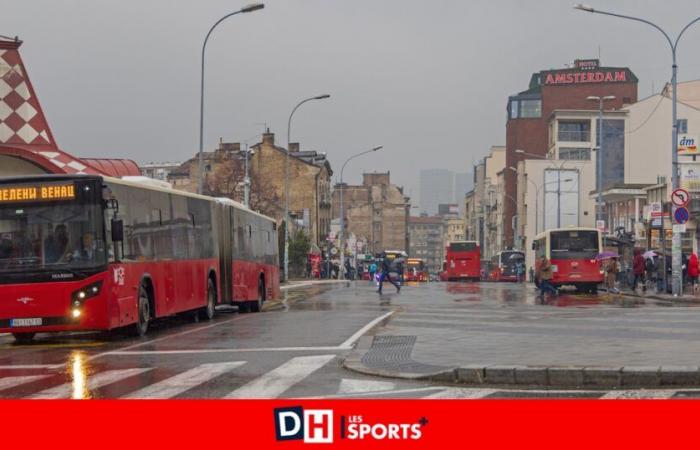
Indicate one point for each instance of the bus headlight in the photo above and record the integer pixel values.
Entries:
(76, 313)
(89, 291)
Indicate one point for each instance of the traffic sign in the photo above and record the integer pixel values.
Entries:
(681, 215)
(679, 228)
(680, 197)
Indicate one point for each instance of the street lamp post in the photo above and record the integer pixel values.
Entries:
(559, 169)
(599, 154)
(341, 234)
(286, 183)
(676, 243)
(246, 9)
(537, 196)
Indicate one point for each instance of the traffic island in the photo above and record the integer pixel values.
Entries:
(390, 357)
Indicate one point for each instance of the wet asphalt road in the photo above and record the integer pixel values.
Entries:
(295, 350)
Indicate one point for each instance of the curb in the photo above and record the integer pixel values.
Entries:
(681, 299)
(538, 376)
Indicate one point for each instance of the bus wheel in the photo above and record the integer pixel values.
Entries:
(256, 305)
(144, 311)
(243, 307)
(23, 338)
(209, 310)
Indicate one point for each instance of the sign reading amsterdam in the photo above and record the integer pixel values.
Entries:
(37, 193)
(587, 76)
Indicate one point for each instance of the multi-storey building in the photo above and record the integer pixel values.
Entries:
(375, 211)
(425, 240)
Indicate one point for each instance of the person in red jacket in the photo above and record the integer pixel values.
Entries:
(638, 269)
(693, 271)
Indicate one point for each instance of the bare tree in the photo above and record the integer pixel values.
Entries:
(228, 178)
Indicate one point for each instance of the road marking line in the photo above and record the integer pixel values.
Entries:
(184, 381)
(33, 366)
(462, 393)
(10, 382)
(277, 381)
(225, 350)
(351, 340)
(640, 394)
(379, 394)
(352, 386)
(182, 333)
(94, 382)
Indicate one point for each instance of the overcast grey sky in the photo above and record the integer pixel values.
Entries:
(428, 80)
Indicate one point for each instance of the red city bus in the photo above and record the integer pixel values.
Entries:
(463, 261)
(82, 252)
(415, 270)
(504, 265)
(572, 253)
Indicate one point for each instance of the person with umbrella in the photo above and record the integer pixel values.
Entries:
(611, 270)
(638, 269)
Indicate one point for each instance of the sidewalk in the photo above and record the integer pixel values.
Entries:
(481, 335)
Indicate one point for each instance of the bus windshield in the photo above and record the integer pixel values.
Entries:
(54, 236)
(463, 246)
(511, 259)
(574, 244)
(415, 264)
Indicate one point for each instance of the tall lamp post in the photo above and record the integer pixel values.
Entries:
(341, 234)
(246, 9)
(673, 44)
(537, 196)
(286, 183)
(599, 154)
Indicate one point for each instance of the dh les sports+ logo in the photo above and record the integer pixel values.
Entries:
(316, 426)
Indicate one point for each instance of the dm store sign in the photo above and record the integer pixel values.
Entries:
(687, 144)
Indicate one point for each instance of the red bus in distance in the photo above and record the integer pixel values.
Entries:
(463, 261)
(98, 253)
(573, 254)
(504, 265)
(415, 270)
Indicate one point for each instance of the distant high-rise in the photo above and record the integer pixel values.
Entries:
(440, 186)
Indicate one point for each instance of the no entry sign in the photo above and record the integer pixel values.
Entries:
(680, 197)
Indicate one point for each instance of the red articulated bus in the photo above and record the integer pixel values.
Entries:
(81, 252)
(415, 270)
(504, 265)
(573, 254)
(463, 261)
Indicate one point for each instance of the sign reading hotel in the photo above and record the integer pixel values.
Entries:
(687, 144)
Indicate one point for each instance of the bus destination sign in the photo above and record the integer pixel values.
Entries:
(37, 193)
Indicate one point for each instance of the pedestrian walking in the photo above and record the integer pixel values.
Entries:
(639, 270)
(545, 275)
(694, 271)
(372, 271)
(386, 268)
(520, 271)
(612, 268)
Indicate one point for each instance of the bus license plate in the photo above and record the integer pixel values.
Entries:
(32, 322)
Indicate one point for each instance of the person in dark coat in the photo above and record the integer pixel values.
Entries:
(639, 270)
(386, 268)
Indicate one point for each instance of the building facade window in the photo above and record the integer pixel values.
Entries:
(530, 108)
(574, 131)
(577, 154)
(683, 126)
(613, 152)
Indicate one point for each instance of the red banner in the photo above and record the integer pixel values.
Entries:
(348, 423)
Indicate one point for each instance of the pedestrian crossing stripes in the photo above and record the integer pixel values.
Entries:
(11, 382)
(78, 387)
(278, 382)
(185, 381)
(275, 382)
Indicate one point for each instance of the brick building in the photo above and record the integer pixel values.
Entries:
(310, 175)
(425, 240)
(527, 126)
(375, 211)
